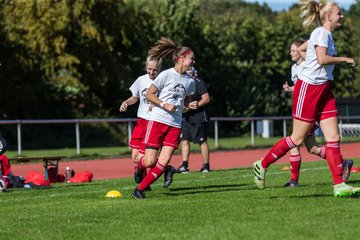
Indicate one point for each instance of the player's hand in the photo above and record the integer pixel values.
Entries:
(169, 107)
(123, 107)
(286, 87)
(350, 61)
(193, 105)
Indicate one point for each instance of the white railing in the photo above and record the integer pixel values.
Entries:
(346, 129)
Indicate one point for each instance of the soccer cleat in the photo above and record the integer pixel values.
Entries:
(182, 169)
(139, 174)
(168, 176)
(205, 169)
(292, 183)
(344, 190)
(2, 186)
(138, 194)
(259, 174)
(346, 165)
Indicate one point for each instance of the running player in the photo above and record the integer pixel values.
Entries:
(310, 140)
(139, 89)
(312, 97)
(169, 93)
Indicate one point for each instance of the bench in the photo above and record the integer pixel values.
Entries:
(47, 163)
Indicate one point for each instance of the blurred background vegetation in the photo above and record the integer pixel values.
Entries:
(77, 59)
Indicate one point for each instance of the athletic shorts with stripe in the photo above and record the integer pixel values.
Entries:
(313, 102)
(138, 133)
(159, 135)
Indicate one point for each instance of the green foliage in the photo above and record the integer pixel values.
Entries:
(77, 59)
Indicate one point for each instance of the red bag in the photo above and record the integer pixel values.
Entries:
(37, 179)
(82, 177)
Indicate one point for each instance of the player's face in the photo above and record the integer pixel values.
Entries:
(152, 69)
(335, 17)
(189, 60)
(295, 56)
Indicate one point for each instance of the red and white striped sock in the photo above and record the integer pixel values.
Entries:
(152, 176)
(295, 163)
(334, 159)
(277, 151)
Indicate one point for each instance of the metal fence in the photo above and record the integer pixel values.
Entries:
(345, 128)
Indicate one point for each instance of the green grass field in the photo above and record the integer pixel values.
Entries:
(218, 205)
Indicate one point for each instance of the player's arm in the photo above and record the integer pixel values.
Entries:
(205, 99)
(151, 96)
(324, 59)
(128, 102)
(302, 50)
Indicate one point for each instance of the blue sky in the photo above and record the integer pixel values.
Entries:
(278, 5)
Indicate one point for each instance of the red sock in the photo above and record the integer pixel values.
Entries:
(152, 176)
(334, 159)
(277, 151)
(141, 165)
(295, 163)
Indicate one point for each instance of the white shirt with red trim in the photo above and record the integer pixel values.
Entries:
(139, 89)
(172, 88)
(313, 72)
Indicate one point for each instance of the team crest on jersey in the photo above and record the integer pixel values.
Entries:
(295, 78)
(178, 91)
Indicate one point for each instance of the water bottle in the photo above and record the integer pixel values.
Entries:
(67, 174)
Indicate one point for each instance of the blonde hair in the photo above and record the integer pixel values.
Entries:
(158, 62)
(166, 48)
(314, 12)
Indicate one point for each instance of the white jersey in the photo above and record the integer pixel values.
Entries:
(172, 87)
(139, 89)
(313, 72)
(296, 71)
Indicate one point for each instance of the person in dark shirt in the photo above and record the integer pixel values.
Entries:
(194, 126)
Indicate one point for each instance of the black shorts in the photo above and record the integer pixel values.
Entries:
(194, 132)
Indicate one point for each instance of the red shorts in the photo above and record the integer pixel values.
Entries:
(138, 133)
(160, 134)
(313, 102)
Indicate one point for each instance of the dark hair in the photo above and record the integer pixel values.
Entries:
(299, 41)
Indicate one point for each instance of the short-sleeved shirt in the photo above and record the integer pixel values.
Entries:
(172, 87)
(296, 71)
(313, 72)
(139, 89)
(201, 114)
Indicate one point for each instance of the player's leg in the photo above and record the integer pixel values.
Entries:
(295, 164)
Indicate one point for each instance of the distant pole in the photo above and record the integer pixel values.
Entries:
(216, 128)
(19, 137)
(252, 133)
(77, 131)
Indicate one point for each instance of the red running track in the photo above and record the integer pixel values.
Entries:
(123, 167)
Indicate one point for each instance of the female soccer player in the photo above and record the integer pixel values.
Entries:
(312, 97)
(169, 93)
(139, 89)
(310, 140)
